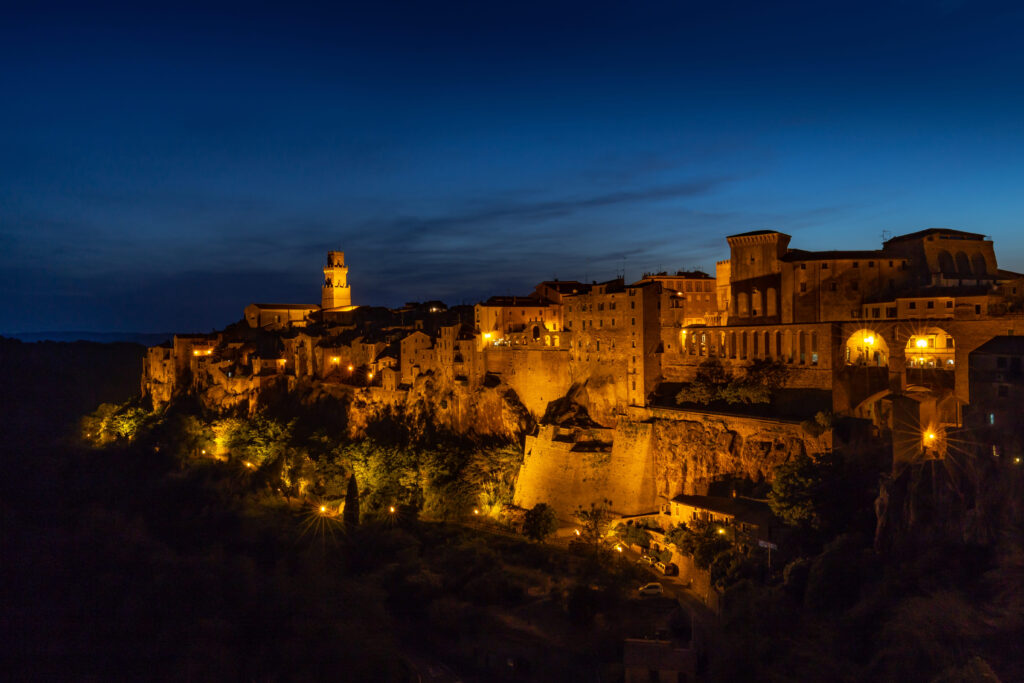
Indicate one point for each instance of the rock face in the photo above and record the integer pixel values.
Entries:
(434, 404)
(959, 500)
(653, 455)
(693, 449)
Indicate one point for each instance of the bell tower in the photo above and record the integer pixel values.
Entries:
(336, 292)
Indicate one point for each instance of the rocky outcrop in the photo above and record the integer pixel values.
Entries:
(693, 449)
(962, 499)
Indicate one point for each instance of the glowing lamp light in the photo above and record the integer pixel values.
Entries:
(930, 436)
(619, 548)
(577, 531)
(248, 464)
(335, 360)
(721, 530)
(476, 511)
(323, 508)
(369, 375)
(391, 509)
(487, 335)
(921, 343)
(350, 368)
(204, 451)
(869, 340)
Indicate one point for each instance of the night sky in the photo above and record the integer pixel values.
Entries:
(161, 168)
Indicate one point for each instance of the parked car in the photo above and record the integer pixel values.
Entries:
(667, 568)
(647, 559)
(652, 589)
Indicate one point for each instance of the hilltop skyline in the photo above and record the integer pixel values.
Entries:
(159, 170)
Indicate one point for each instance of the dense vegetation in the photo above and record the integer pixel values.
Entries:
(181, 545)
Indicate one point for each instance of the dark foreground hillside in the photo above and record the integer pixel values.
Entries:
(46, 386)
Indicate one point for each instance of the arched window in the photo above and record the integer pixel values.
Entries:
(756, 308)
(743, 345)
(778, 345)
(978, 261)
(770, 304)
(963, 264)
(946, 266)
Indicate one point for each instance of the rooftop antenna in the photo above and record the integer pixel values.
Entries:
(886, 236)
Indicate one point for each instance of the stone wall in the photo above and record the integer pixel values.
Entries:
(656, 454)
(565, 473)
(691, 449)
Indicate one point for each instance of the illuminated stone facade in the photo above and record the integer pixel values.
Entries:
(883, 336)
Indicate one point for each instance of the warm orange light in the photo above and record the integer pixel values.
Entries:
(350, 368)
(869, 340)
(721, 530)
(487, 335)
(391, 509)
(577, 531)
(204, 451)
(323, 508)
(476, 511)
(248, 464)
(369, 375)
(921, 343)
(335, 360)
(619, 548)
(929, 436)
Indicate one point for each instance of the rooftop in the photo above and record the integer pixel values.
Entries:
(289, 307)
(1003, 344)
(797, 255)
(945, 233)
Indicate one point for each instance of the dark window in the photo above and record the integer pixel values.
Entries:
(871, 264)
(824, 266)
(834, 287)
(855, 285)
(803, 266)
(1001, 362)
(931, 304)
(890, 311)
(912, 305)
(977, 309)
(803, 286)
(949, 304)
(856, 264)
(890, 264)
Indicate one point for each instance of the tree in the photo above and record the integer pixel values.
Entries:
(539, 522)
(593, 523)
(804, 489)
(351, 515)
(707, 383)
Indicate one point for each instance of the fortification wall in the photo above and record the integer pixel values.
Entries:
(655, 455)
(691, 449)
(559, 473)
(538, 376)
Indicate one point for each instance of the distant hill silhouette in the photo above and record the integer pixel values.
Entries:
(144, 338)
(46, 386)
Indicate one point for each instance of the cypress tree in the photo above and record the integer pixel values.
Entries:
(351, 516)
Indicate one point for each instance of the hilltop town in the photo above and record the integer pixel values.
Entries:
(906, 346)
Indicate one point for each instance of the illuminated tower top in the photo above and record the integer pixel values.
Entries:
(336, 292)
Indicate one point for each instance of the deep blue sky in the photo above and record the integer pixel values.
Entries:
(161, 168)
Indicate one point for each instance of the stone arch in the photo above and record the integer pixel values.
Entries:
(931, 348)
(743, 304)
(946, 265)
(963, 264)
(536, 332)
(867, 347)
(979, 264)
